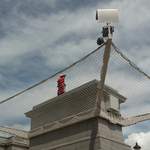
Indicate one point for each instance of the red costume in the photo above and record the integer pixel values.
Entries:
(61, 85)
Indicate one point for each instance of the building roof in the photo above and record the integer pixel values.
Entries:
(107, 89)
(71, 107)
(3, 140)
(13, 140)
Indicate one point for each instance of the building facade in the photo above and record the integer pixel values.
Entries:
(71, 121)
(13, 143)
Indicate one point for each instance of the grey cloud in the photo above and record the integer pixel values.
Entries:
(144, 127)
(24, 71)
(40, 7)
(36, 8)
(64, 31)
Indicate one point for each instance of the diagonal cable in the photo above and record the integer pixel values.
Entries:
(42, 81)
(131, 63)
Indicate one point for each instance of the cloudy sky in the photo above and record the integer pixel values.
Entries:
(37, 38)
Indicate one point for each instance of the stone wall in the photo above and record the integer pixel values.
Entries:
(77, 136)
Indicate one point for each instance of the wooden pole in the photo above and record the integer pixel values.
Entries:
(106, 57)
(103, 73)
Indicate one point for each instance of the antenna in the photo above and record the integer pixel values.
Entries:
(108, 17)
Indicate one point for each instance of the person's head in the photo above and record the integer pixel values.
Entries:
(62, 76)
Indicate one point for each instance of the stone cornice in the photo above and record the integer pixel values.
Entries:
(74, 119)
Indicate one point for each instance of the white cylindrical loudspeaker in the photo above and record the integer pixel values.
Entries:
(107, 15)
